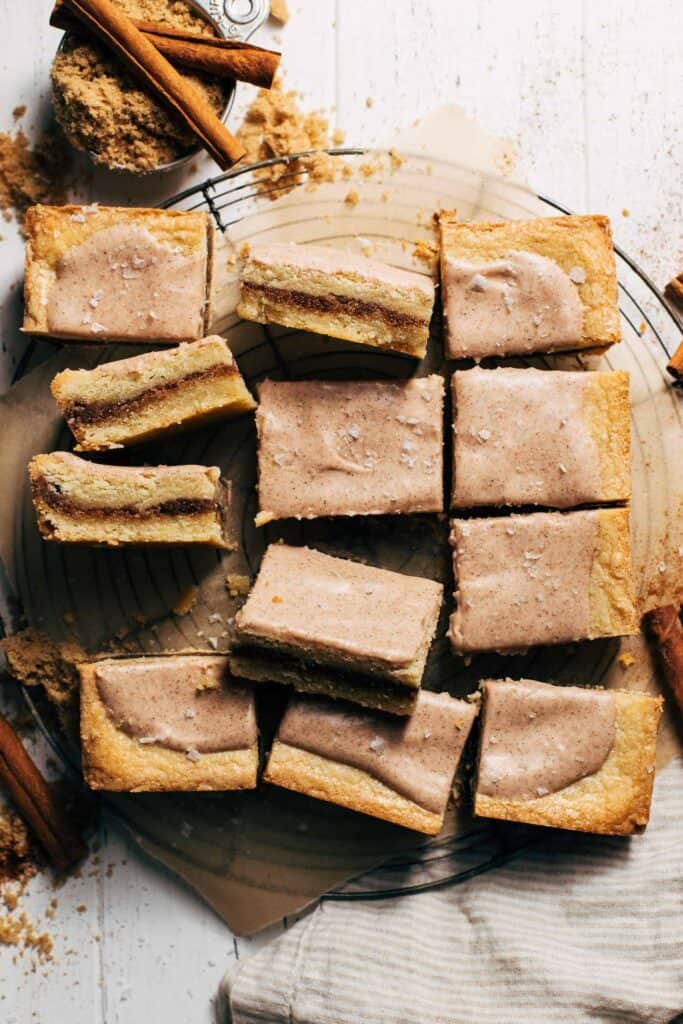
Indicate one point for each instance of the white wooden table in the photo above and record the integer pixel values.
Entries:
(591, 94)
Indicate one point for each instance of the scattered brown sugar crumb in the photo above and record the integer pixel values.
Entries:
(338, 137)
(396, 160)
(103, 110)
(425, 252)
(626, 660)
(32, 174)
(279, 11)
(238, 586)
(19, 857)
(352, 197)
(207, 684)
(369, 102)
(625, 212)
(19, 111)
(36, 660)
(186, 601)
(274, 126)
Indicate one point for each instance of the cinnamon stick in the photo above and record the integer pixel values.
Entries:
(218, 57)
(674, 291)
(143, 59)
(663, 626)
(36, 802)
(675, 365)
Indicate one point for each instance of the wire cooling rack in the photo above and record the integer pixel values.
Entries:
(243, 197)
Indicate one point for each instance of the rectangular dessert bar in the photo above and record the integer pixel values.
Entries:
(333, 626)
(176, 722)
(134, 400)
(543, 578)
(105, 273)
(328, 291)
(80, 502)
(398, 769)
(566, 756)
(532, 437)
(515, 287)
(349, 448)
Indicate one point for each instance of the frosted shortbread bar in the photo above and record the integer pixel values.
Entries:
(106, 273)
(329, 291)
(134, 400)
(333, 626)
(81, 502)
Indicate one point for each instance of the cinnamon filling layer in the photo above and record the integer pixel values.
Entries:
(312, 672)
(97, 412)
(53, 499)
(333, 304)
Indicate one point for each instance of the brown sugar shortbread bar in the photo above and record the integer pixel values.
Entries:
(348, 448)
(514, 287)
(566, 756)
(106, 273)
(398, 769)
(134, 400)
(329, 625)
(328, 291)
(543, 578)
(176, 722)
(81, 502)
(531, 437)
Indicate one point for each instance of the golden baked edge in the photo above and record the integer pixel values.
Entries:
(116, 762)
(346, 786)
(611, 592)
(613, 801)
(607, 410)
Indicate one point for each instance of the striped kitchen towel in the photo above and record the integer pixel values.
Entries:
(575, 929)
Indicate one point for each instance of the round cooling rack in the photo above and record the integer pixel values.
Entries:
(382, 206)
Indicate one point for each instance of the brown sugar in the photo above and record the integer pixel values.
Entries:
(104, 112)
(36, 660)
(32, 174)
(275, 126)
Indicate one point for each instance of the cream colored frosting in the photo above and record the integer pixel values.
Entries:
(522, 438)
(350, 448)
(522, 580)
(186, 702)
(122, 283)
(538, 738)
(306, 599)
(338, 261)
(522, 303)
(415, 756)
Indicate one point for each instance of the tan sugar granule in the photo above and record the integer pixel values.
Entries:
(425, 252)
(103, 110)
(186, 601)
(352, 197)
(279, 11)
(19, 858)
(238, 586)
(32, 174)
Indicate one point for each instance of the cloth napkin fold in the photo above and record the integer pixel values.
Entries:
(574, 929)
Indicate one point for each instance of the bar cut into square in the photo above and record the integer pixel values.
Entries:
(106, 273)
(543, 578)
(176, 722)
(398, 769)
(81, 502)
(349, 448)
(344, 295)
(567, 756)
(148, 396)
(332, 626)
(533, 437)
(515, 287)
